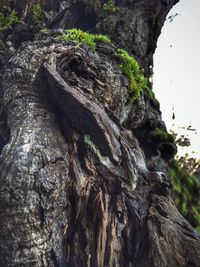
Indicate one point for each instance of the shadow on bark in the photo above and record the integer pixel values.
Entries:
(75, 190)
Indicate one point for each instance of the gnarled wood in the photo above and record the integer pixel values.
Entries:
(75, 190)
(74, 186)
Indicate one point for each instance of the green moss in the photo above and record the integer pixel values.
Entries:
(109, 8)
(1, 43)
(151, 95)
(37, 16)
(131, 68)
(198, 229)
(186, 189)
(93, 147)
(84, 38)
(37, 11)
(162, 135)
(102, 38)
(104, 159)
(44, 29)
(8, 19)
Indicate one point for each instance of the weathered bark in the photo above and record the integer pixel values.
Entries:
(74, 186)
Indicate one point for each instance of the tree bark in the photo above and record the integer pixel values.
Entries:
(74, 186)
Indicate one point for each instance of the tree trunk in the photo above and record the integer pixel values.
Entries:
(74, 186)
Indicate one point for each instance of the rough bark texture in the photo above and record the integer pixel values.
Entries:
(74, 186)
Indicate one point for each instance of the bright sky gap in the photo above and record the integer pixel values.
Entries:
(177, 72)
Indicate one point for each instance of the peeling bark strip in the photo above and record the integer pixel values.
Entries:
(89, 118)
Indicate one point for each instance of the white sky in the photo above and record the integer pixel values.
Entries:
(177, 70)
